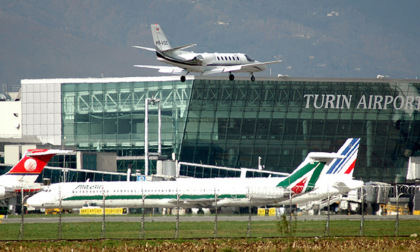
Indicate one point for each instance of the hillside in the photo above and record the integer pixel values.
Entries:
(60, 39)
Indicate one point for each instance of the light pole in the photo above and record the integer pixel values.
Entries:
(215, 214)
(327, 225)
(152, 101)
(21, 230)
(397, 220)
(362, 220)
(249, 227)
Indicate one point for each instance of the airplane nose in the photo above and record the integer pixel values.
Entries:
(33, 202)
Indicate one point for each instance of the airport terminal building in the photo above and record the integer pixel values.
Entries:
(231, 123)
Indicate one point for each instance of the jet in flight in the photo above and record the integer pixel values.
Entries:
(185, 62)
(22, 176)
(193, 192)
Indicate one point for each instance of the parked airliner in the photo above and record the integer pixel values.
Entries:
(25, 172)
(336, 179)
(193, 192)
(204, 63)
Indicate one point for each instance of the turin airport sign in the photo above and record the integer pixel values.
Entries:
(374, 102)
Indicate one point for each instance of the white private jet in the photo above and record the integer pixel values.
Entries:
(22, 176)
(192, 192)
(204, 63)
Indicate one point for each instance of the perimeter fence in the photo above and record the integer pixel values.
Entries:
(366, 214)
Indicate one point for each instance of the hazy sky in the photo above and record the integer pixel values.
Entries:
(344, 39)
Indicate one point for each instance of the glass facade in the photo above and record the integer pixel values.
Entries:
(109, 116)
(233, 123)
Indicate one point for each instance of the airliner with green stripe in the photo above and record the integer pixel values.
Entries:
(190, 192)
(335, 178)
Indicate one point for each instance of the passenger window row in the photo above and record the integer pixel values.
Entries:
(227, 58)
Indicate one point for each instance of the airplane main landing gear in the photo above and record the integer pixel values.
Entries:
(232, 77)
(182, 78)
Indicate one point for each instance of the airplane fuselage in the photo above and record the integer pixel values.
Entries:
(185, 62)
(205, 62)
(187, 193)
(328, 186)
(319, 174)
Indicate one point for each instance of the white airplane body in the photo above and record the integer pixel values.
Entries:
(22, 176)
(337, 179)
(204, 63)
(189, 192)
(193, 193)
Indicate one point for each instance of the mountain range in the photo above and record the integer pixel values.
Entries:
(94, 38)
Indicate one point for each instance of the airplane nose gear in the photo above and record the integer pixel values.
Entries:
(183, 78)
(252, 78)
(231, 77)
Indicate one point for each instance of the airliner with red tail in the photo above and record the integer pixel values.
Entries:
(23, 175)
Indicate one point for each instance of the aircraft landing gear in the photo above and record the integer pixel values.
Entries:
(252, 78)
(182, 78)
(231, 77)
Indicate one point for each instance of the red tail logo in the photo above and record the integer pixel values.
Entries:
(31, 164)
(298, 188)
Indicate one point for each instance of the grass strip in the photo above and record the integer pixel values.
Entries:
(191, 230)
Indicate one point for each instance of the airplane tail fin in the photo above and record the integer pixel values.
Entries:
(159, 38)
(30, 166)
(345, 166)
(305, 176)
(298, 181)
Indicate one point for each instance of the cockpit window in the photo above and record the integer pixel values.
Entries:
(249, 58)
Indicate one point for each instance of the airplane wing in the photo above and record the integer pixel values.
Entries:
(192, 202)
(325, 156)
(224, 69)
(165, 69)
(47, 152)
(253, 67)
(215, 71)
(257, 66)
